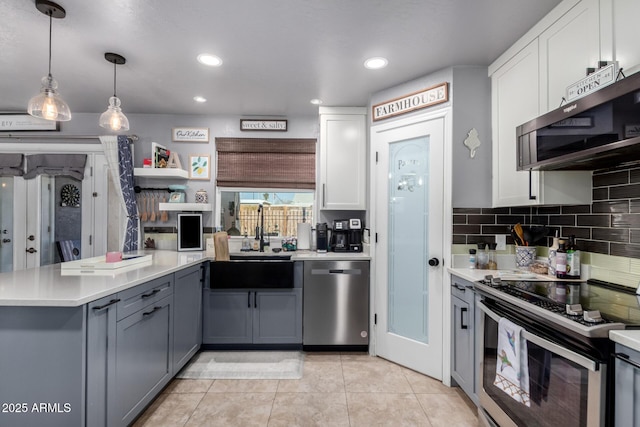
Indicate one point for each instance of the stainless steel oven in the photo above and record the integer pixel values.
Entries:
(567, 352)
(566, 388)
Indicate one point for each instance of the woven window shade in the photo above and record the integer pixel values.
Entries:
(266, 163)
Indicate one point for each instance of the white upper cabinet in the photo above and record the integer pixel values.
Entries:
(567, 48)
(514, 100)
(343, 145)
(619, 32)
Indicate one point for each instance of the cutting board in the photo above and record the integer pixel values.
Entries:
(221, 245)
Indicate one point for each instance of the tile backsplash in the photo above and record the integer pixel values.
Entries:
(609, 226)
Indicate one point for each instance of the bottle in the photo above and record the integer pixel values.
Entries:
(492, 261)
(246, 245)
(573, 259)
(482, 256)
(561, 260)
(472, 258)
(552, 255)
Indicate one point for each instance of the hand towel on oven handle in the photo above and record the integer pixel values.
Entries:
(512, 366)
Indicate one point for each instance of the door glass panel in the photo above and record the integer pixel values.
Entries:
(408, 244)
(6, 224)
(61, 219)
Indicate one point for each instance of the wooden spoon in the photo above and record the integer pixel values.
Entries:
(153, 208)
(518, 229)
(143, 206)
(164, 216)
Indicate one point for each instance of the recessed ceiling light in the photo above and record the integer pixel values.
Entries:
(316, 101)
(199, 99)
(210, 60)
(376, 63)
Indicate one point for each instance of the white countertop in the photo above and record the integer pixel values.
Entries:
(629, 338)
(50, 286)
(474, 275)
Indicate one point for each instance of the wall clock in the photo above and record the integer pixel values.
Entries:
(70, 196)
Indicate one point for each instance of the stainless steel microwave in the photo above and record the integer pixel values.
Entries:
(600, 130)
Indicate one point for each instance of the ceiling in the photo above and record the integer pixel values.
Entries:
(277, 55)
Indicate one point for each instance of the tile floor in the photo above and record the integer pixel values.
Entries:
(343, 389)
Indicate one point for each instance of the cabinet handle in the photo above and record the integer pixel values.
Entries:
(459, 287)
(100, 307)
(323, 204)
(462, 311)
(150, 294)
(531, 196)
(149, 313)
(255, 300)
(248, 299)
(625, 358)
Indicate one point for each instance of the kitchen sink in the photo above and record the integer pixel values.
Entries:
(252, 272)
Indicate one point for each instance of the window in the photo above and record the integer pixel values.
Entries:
(283, 210)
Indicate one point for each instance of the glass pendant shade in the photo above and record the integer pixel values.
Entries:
(113, 118)
(48, 104)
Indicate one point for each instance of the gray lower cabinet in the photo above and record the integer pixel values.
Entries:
(271, 316)
(187, 314)
(627, 387)
(463, 351)
(143, 358)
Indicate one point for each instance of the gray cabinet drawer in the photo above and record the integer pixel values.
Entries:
(138, 297)
(461, 288)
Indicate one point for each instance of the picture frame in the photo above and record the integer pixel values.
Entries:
(159, 155)
(190, 134)
(200, 166)
(24, 123)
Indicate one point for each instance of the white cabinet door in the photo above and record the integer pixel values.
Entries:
(514, 100)
(623, 27)
(342, 159)
(567, 49)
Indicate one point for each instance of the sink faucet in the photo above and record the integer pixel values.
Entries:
(260, 228)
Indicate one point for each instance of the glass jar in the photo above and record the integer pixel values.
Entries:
(482, 256)
(492, 261)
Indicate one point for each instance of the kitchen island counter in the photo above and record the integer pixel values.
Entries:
(628, 338)
(50, 286)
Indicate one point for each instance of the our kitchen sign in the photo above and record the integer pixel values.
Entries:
(415, 101)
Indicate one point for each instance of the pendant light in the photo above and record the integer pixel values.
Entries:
(48, 104)
(113, 118)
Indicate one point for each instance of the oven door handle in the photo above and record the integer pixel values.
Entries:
(547, 345)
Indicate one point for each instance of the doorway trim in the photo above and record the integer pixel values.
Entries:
(447, 226)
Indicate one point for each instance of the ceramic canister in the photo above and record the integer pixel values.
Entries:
(202, 196)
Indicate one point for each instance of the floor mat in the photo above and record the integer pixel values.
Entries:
(246, 365)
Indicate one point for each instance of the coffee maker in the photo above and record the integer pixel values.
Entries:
(346, 235)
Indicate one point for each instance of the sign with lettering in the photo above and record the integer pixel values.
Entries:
(25, 122)
(190, 134)
(270, 125)
(594, 81)
(415, 101)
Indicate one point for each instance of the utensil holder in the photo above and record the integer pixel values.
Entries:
(525, 255)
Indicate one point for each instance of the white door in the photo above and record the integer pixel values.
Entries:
(409, 203)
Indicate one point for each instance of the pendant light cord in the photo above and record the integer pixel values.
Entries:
(114, 78)
(50, 25)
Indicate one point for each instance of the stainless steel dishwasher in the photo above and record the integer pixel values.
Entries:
(336, 304)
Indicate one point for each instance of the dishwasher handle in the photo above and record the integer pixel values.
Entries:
(329, 271)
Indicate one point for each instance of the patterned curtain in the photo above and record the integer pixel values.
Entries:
(118, 153)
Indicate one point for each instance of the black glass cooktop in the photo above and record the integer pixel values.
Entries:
(616, 303)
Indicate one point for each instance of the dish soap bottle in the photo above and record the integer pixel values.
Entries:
(553, 249)
(561, 261)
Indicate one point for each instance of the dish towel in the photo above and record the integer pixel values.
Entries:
(512, 368)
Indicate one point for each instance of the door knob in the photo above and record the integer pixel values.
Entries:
(6, 240)
(434, 262)
(32, 250)
(32, 238)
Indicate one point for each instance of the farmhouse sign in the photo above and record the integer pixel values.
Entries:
(594, 81)
(13, 122)
(415, 101)
(190, 134)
